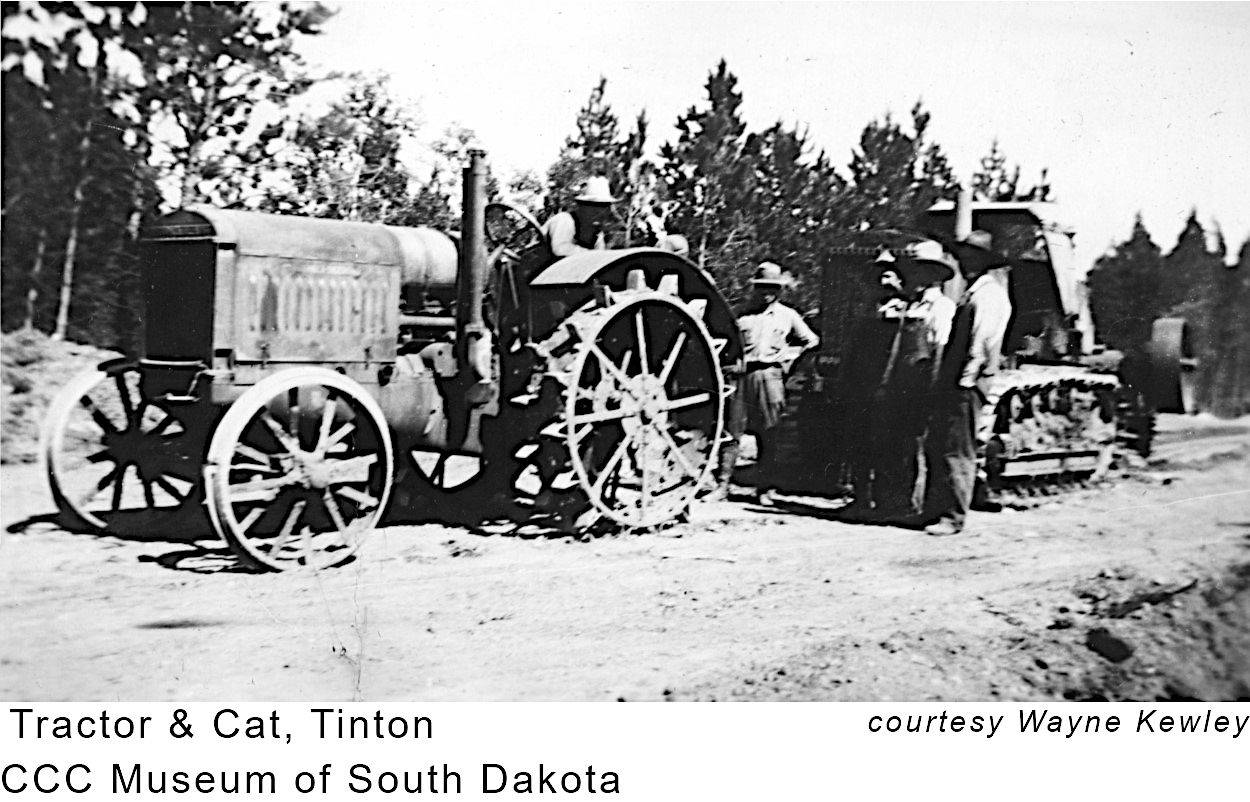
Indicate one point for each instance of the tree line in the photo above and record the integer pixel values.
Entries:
(116, 111)
(1136, 283)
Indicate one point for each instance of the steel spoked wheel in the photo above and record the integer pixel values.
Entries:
(116, 461)
(622, 418)
(299, 470)
(643, 417)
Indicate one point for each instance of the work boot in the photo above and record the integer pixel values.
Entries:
(944, 527)
(983, 501)
(857, 512)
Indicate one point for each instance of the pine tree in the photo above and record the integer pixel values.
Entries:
(1187, 289)
(1228, 364)
(79, 176)
(936, 178)
(896, 175)
(31, 184)
(600, 148)
(1125, 290)
(996, 181)
(792, 201)
(704, 176)
(94, 82)
(1188, 271)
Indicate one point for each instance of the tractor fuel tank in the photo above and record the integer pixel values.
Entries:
(427, 260)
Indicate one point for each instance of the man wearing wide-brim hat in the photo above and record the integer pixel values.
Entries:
(976, 252)
(926, 268)
(582, 228)
(914, 323)
(971, 357)
(773, 337)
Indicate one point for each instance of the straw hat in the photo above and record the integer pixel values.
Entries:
(978, 247)
(597, 190)
(928, 262)
(769, 274)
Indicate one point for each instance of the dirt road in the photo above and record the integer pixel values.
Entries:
(1137, 589)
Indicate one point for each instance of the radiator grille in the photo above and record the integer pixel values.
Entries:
(178, 284)
(296, 304)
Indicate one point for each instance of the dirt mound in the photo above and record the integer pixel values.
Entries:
(33, 370)
(1179, 641)
(1120, 637)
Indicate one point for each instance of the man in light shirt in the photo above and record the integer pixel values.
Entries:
(971, 357)
(582, 229)
(931, 304)
(773, 337)
(922, 330)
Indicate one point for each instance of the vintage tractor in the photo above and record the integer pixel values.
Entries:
(1061, 405)
(300, 376)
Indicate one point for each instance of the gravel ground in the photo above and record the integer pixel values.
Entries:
(1136, 589)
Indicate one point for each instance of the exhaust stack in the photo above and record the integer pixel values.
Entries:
(954, 288)
(473, 341)
(963, 214)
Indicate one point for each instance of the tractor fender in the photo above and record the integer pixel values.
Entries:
(568, 283)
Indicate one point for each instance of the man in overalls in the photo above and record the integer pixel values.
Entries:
(914, 321)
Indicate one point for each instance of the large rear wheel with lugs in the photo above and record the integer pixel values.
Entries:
(632, 402)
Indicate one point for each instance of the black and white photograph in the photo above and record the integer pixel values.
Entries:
(625, 351)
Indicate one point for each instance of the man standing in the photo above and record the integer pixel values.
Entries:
(773, 337)
(971, 357)
(912, 326)
(934, 269)
(872, 342)
(582, 229)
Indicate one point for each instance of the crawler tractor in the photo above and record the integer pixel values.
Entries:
(300, 377)
(1061, 405)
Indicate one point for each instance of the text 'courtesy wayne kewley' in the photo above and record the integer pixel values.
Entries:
(1145, 721)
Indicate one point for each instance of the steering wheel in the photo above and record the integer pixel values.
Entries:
(511, 234)
(510, 231)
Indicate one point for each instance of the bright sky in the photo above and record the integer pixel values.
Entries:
(1131, 106)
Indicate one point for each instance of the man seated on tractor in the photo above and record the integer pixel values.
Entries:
(582, 229)
(564, 234)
